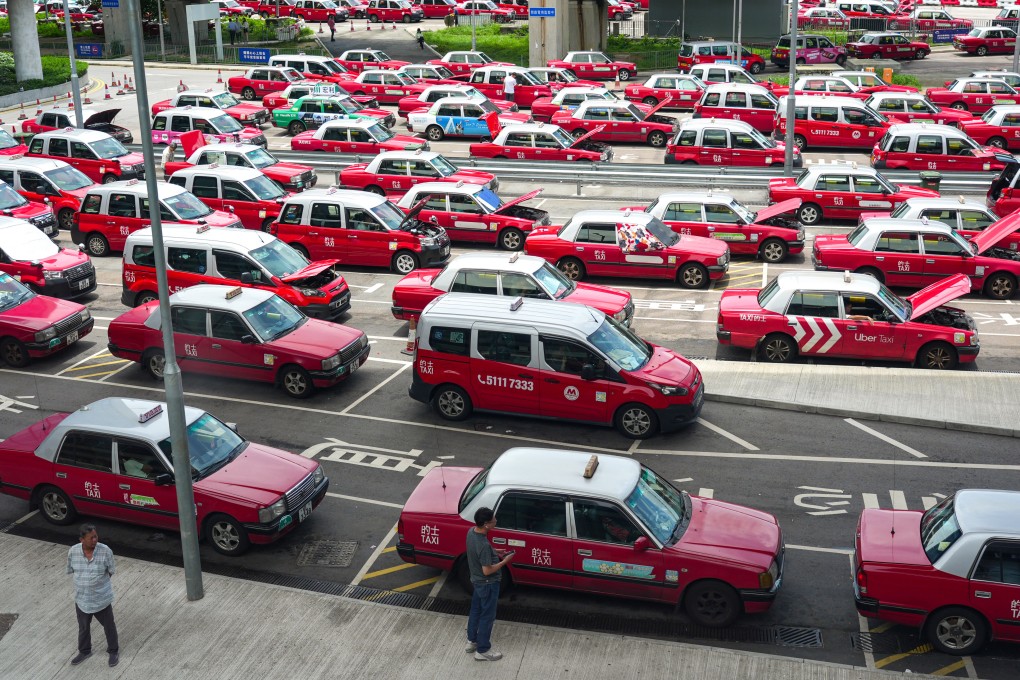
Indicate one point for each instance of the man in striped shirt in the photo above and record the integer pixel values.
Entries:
(92, 564)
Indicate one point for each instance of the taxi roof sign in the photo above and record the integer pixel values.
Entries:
(516, 304)
(204, 228)
(232, 293)
(591, 467)
(513, 258)
(150, 414)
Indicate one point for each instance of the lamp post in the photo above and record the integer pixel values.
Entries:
(791, 109)
(159, 20)
(472, 15)
(75, 92)
(1016, 50)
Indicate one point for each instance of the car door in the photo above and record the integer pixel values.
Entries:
(868, 329)
(726, 225)
(746, 151)
(995, 587)
(685, 218)
(562, 392)
(467, 219)
(504, 368)
(596, 115)
(595, 245)
(122, 218)
(715, 147)
(869, 194)
(326, 236)
(369, 243)
(945, 256)
(234, 356)
(815, 322)
(207, 189)
(83, 158)
(140, 498)
(605, 560)
(898, 257)
(735, 105)
(833, 193)
(929, 153)
(190, 332)
(535, 526)
(83, 469)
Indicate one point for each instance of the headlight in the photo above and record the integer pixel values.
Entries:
(85, 315)
(767, 579)
(722, 260)
(48, 334)
(800, 234)
(429, 241)
(670, 390)
(310, 292)
(318, 476)
(621, 315)
(51, 275)
(331, 363)
(296, 180)
(267, 515)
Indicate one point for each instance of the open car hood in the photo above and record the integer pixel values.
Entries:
(586, 135)
(658, 106)
(100, 117)
(938, 294)
(311, 270)
(192, 141)
(520, 199)
(412, 214)
(492, 122)
(996, 232)
(781, 208)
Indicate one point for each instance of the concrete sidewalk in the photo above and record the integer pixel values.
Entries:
(245, 630)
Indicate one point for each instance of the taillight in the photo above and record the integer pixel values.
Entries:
(1006, 193)
(274, 228)
(400, 530)
(862, 582)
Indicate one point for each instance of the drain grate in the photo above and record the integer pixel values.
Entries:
(6, 622)
(882, 643)
(327, 553)
(790, 636)
(7, 526)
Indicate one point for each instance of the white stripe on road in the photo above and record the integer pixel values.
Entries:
(887, 440)
(375, 389)
(398, 506)
(729, 435)
(374, 556)
(899, 501)
(811, 548)
(870, 500)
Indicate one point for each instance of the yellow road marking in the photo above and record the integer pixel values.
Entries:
(755, 275)
(389, 570)
(951, 668)
(392, 548)
(419, 584)
(882, 628)
(921, 649)
(377, 596)
(105, 363)
(93, 375)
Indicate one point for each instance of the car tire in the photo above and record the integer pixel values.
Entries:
(97, 245)
(957, 630)
(511, 238)
(65, 219)
(998, 143)
(579, 132)
(624, 75)
(692, 275)
(712, 603)
(375, 189)
(809, 214)
(267, 225)
(14, 353)
(572, 268)
(451, 403)
(920, 54)
(374, 18)
(404, 262)
(56, 506)
(1000, 286)
(773, 250)
(301, 249)
(959, 106)
(248, 93)
(657, 139)
(154, 363)
(777, 348)
(981, 51)
(226, 535)
(939, 356)
(871, 271)
(801, 61)
(841, 60)
(434, 133)
(650, 101)
(110, 178)
(145, 297)
(295, 381)
(757, 68)
(636, 421)
(800, 142)
(406, 19)
(296, 127)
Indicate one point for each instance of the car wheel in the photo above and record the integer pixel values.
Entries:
(801, 61)
(145, 297)
(981, 51)
(957, 631)
(404, 262)
(624, 75)
(56, 507)
(375, 189)
(712, 603)
(154, 363)
(296, 382)
(871, 271)
(841, 60)
(227, 535)
(374, 18)
(809, 213)
(938, 356)
(636, 421)
(876, 55)
(650, 101)
(959, 106)
(778, 349)
(757, 68)
(452, 403)
(800, 142)
(1000, 286)
(997, 142)
(434, 133)
(579, 132)
(97, 245)
(774, 250)
(296, 127)
(657, 138)
(406, 19)
(110, 178)
(267, 225)
(692, 275)
(920, 54)
(14, 353)
(571, 268)
(65, 218)
(248, 93)
(511, 238)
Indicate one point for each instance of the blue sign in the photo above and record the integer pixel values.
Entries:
(541, 12)
(85, 50)
(945, 35)
(253, 55)
(111, 3)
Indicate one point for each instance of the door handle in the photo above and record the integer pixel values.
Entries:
(552, 380)
(983, 594)
(499, 541)
(851, 328)
(313, 233)
(61, 475)
(525, 376)
(791, 323)
(217, 346)
(579, 249)
(126, 487)
(929, 261)
(584, 553)
(880, 259)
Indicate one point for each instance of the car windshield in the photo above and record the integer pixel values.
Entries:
(27, 243)
(347, 104)
(667, 236)
(975, 32)
(473, 489)
(274, 318)
(900, 306)
(225, 123)
(659, 506)
(12, 292)
(743, 213)
(380, 133)
(443, 72)
(443, 166)
(488, 106)
(563, 137)
(264, 188)
(211, 445)
(627, 350)
(554, 282)
(526, 78)
(939, 529)
(389, 215)
(225, 100)
(636, 112)
(766, 142)
(108, 148)
(68, 178)
(405, 79)
(186, 206)
(260, 158)
(489, 200)
(9, 198)
(901, 210)
(279, 259)
(7, 141)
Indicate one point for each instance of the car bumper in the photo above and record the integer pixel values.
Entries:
(434, 255)
(968, 353)
(62, 288)
(723, 337)
(419, 390)
(340, 373)
(267, 533)
(43, 349)
(330, 311)
(676, 416)
(402, 314)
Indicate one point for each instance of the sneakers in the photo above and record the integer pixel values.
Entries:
(490, 655)
(81, 657)
(471, 646)
(114, 659)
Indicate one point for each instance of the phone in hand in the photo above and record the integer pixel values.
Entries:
(509, 553)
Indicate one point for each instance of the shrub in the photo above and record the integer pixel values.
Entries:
(56, 70)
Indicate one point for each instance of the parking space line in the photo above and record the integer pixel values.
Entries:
(102, 352)
(390, 549)
(341, 496)
(764, 274)
(419, 584)
(373, 288)
(441, 581)
(374, 556)
(951, 668)
(729, 435)
(375, 389)
(113, 373)
(883, 627)
(888, 440)
(862, 623)
(811, 548)
(969, 665)
(920, 649)
(388, 570)
(105, 363)
(705, 492)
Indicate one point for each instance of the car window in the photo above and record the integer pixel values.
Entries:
(232, 266)
(602, 522)
(890, 105)
(189, 320)
(471, 281)
(516, 284)
(864, 305)
(564, 356)
(144, 256)
(900, 144)
(809, 303)
(999, 563)
(205, 187)
(464, 204)
(325, 215)
(137, 459)
(715, 139)
(227, 326)
(536, 514)
(687, 138)
(721, 214)
(742, 140)
(596, 233)
(940, 244)
(359, 219)
(897, 242)
(738, 99)
(122, 205)
(827, 114)
(451, 340)
(682, 212)
(511, 348)
(88, 451)
(975, 220)
(58, 147)
(186, 259)
(867, 185)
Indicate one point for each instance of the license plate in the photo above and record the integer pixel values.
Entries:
(445, 250)
(72, 337)
(355, 365)
(84, 283)
(49, 229)
(304, 512)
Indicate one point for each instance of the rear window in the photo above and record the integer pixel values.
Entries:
(784, 42)
(450, 340)
(939, 529)
(145, 256)
(472, 490)
(686, 50)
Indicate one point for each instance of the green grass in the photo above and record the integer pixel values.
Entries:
(510, 47)
(56, 70)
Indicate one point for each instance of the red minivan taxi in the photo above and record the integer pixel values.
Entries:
(841, 122)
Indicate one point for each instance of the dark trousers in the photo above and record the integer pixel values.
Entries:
(482, 615)
(105, 618)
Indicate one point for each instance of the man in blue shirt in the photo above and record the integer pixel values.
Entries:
(92, 564)
(484, 564)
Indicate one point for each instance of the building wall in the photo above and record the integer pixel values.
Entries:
(714, 18)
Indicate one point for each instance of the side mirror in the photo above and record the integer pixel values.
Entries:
(642, 544)
(247, 339)
(247, 278)
(164, 479)
(588, 372)
(232, 426)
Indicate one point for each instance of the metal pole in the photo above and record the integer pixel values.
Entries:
(171, 372)
(740, 30)
(791, 108)
(1016, 50)
(75, 92)
(683, 22)
(472, 15)
(733, 32)
(159, 20)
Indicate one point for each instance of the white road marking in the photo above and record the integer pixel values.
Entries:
(633, 447)
(27, 517)
(111, 285)
(968, 663)
(706, 492)
(372, 289)
(886, 439)
(402, 362)
(441, 582)
(398, 506)
(375, 389)
(870, 500)
(685, 479)
(764, 274)
(374, 556)
(387, 337)
(862, 623)
(811, 548)
(115, 372)
(729, 435)
(899, 501)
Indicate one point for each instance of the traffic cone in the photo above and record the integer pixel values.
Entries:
(320, 27)
(412, 328)
(88, 99)
(219, 76)
(352, 27)
(22, 116)
(368, 25)
(181, 87)
(393, 25)
(38, 107)
(113, 78)
(107, 93)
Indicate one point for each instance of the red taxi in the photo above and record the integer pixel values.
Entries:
(303, 88)
(771, 233)
(244, 192)
(37, 213)
(323, 70)
(717, 52)
(244, 492)
(629, 244)
(568, 99)
(822, 17)
(97, 155)
(887, 46)
(261, 80)
(40, 180)
(393, 10)
(242, 333)
(472, 213)
(620, 122)
(986, 40)
(595, 66)
(968, 217)
(59, 119)
(436, 9)
(427, 73)
(821, 85)
(998, 127)
(919, 146)
(360, 60)
(9, 146)
(953, 571)
(31, 257)
(434, 93)
(841, 192)
(869, 82)
(498, 274)
(289, 176)
(910, 253)
(242, 112)
(394, 172)
(928, 19)
(35, 326)
(844, 315)
(558, 78)
(463, 62)
(911, 107)
(542, 142)
(840, 122)
(684, 91)
(486, 8)
(726, 143)
(976, 95)
(604, 525)
(388, 87)
(355, 135)
(751, 104)
(489, 80)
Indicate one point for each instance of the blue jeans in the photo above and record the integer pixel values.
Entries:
(483, 615)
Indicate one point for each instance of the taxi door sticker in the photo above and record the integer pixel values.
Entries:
(618, 568)
(600, 397)
(571, 393)
(92, 490)
(672, 576)
(515, 543)
(140, 501)
(268, 359)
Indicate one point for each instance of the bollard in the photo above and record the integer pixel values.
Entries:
(368, 25)
(352, 26)
(412, 327)
(578, 187)
(38, 107)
